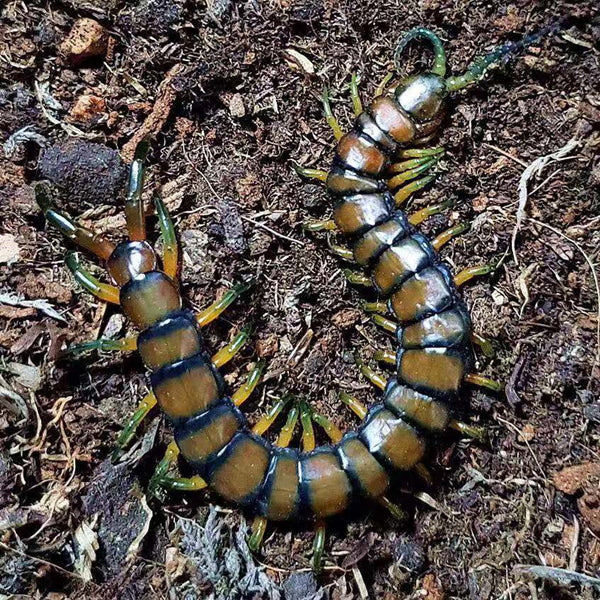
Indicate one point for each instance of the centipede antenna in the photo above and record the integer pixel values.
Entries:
(134, 207)
(421, 33)
(480, 65)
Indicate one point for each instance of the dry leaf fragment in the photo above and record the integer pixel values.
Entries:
(9, 249)
(86, 544)
(298, 61)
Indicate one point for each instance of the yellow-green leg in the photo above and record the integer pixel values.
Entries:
(386, 356)
(134, 207)
(411, 169)
(375, 378)
(472, 431)
(162, 480)
(357, 278)
(383, 84)
(484, 344)
(471, 272)
(341, 251)
(355, 405)
(408, 190)
(103, 291)
(384, 323)
(356, 102)
(310, 173)
(167, 231)
(208, 315)
(125, 344)
(444, 237)
(225, 354)
(326, 225)
(318, 547)
(331, 120)
(485, 382)
(243, 393)
(128, 431)
(418, 217)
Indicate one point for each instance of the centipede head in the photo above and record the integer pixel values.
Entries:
(130, 259)
(422, 96)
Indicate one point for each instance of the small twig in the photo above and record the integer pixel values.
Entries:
(562, 576)
(535, 168)
(504, 153)
(273, 232)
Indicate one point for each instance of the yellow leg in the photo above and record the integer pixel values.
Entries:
(225, 354)
(356, 103)
(126, 435)
(331, 429)
(310, 173)
(327, 225)
(472, 431)
(269, 418)
(386, 324)
(444, 237)
(161, 479)
(486, 382)
(483, 343)
(208, 315)
(396, 511)
(356, 406)
(428, 211)
(468, 274)
(420, 165)
(126, 344)
(342, 252)
(374, 307)
(103, 291)
(414, 186)
(287, 431)
(331, 120)
(386, 356)
(381, 87)
(241, 395)
(376, 379)
(308, 433)
(357, 278)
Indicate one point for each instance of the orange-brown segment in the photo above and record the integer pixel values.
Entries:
(186, 389)
(210, 438)
(368, 473)
(390, 118)
(378, 238)
(357, 153)
(426, 291)
(394, 440)
(149, 298)
(283, 494)
(425, 411)
(433, 370)
(444, 329)
(340, 181)
(357, 212)
(328, 487)
(242, 471)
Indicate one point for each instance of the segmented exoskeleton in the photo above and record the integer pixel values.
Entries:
(433, 360)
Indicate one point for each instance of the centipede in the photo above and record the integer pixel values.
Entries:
(377, 166)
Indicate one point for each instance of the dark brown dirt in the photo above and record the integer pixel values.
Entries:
(228, 114)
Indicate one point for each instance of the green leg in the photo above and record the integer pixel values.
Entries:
(386, 356)
(472, 431)
(95, 243)
(484, 344)
(357, 278)
(310, 173)
(444, 237)
(126, 435)
(225, 354)
(318, 547)
(375, 378)
(341, 251)
(356, 102)
(386, 324)
(483, 381)
(374, 307)
(126, 344)
(418, 217)
(421, 152)
(396, 511)
(470, 272)
(103, 291)
(414, 186)
(331, 120)
(407, 173)
(384, 82)
(208, 315)
(162, 480)
(167, 231)
(355, 405)
(241, 395)
(134, 207)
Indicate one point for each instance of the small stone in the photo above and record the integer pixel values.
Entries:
(236, 106)
(345, 319)
(299, 586)
(87, 39)
(87, 107)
